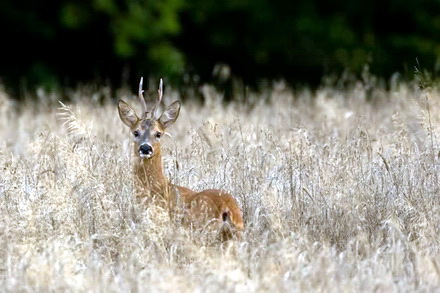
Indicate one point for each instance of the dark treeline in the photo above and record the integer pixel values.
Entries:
(66, 42)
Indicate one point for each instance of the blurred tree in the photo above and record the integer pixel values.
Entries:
(79, 40)
(302, 40)
(69, 41)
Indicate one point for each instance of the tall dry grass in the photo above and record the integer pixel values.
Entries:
(339, 188)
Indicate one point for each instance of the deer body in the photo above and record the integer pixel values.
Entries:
(199, 208)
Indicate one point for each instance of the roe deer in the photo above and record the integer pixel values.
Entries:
(207, 207)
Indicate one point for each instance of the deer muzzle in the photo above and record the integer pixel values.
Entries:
(145, 151)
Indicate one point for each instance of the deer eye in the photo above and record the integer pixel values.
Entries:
(158, 135)
(136, 133)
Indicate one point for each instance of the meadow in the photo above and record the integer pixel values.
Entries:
(339, 189)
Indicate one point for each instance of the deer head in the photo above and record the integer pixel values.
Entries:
(148, 129)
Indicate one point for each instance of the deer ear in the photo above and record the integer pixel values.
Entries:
(170, 114)
(127, 114)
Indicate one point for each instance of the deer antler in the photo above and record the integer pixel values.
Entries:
(142, 99)
(159, 98)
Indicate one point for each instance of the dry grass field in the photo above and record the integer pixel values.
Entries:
(339, 189)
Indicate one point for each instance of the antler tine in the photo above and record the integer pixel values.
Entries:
(142, 99)
(159, 98)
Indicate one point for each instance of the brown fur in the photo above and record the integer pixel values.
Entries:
(203, 208)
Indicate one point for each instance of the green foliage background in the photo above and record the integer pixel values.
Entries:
(69, 41)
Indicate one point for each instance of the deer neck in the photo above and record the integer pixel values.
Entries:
(150, 180)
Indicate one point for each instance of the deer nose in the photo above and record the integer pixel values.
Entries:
(146, 149)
